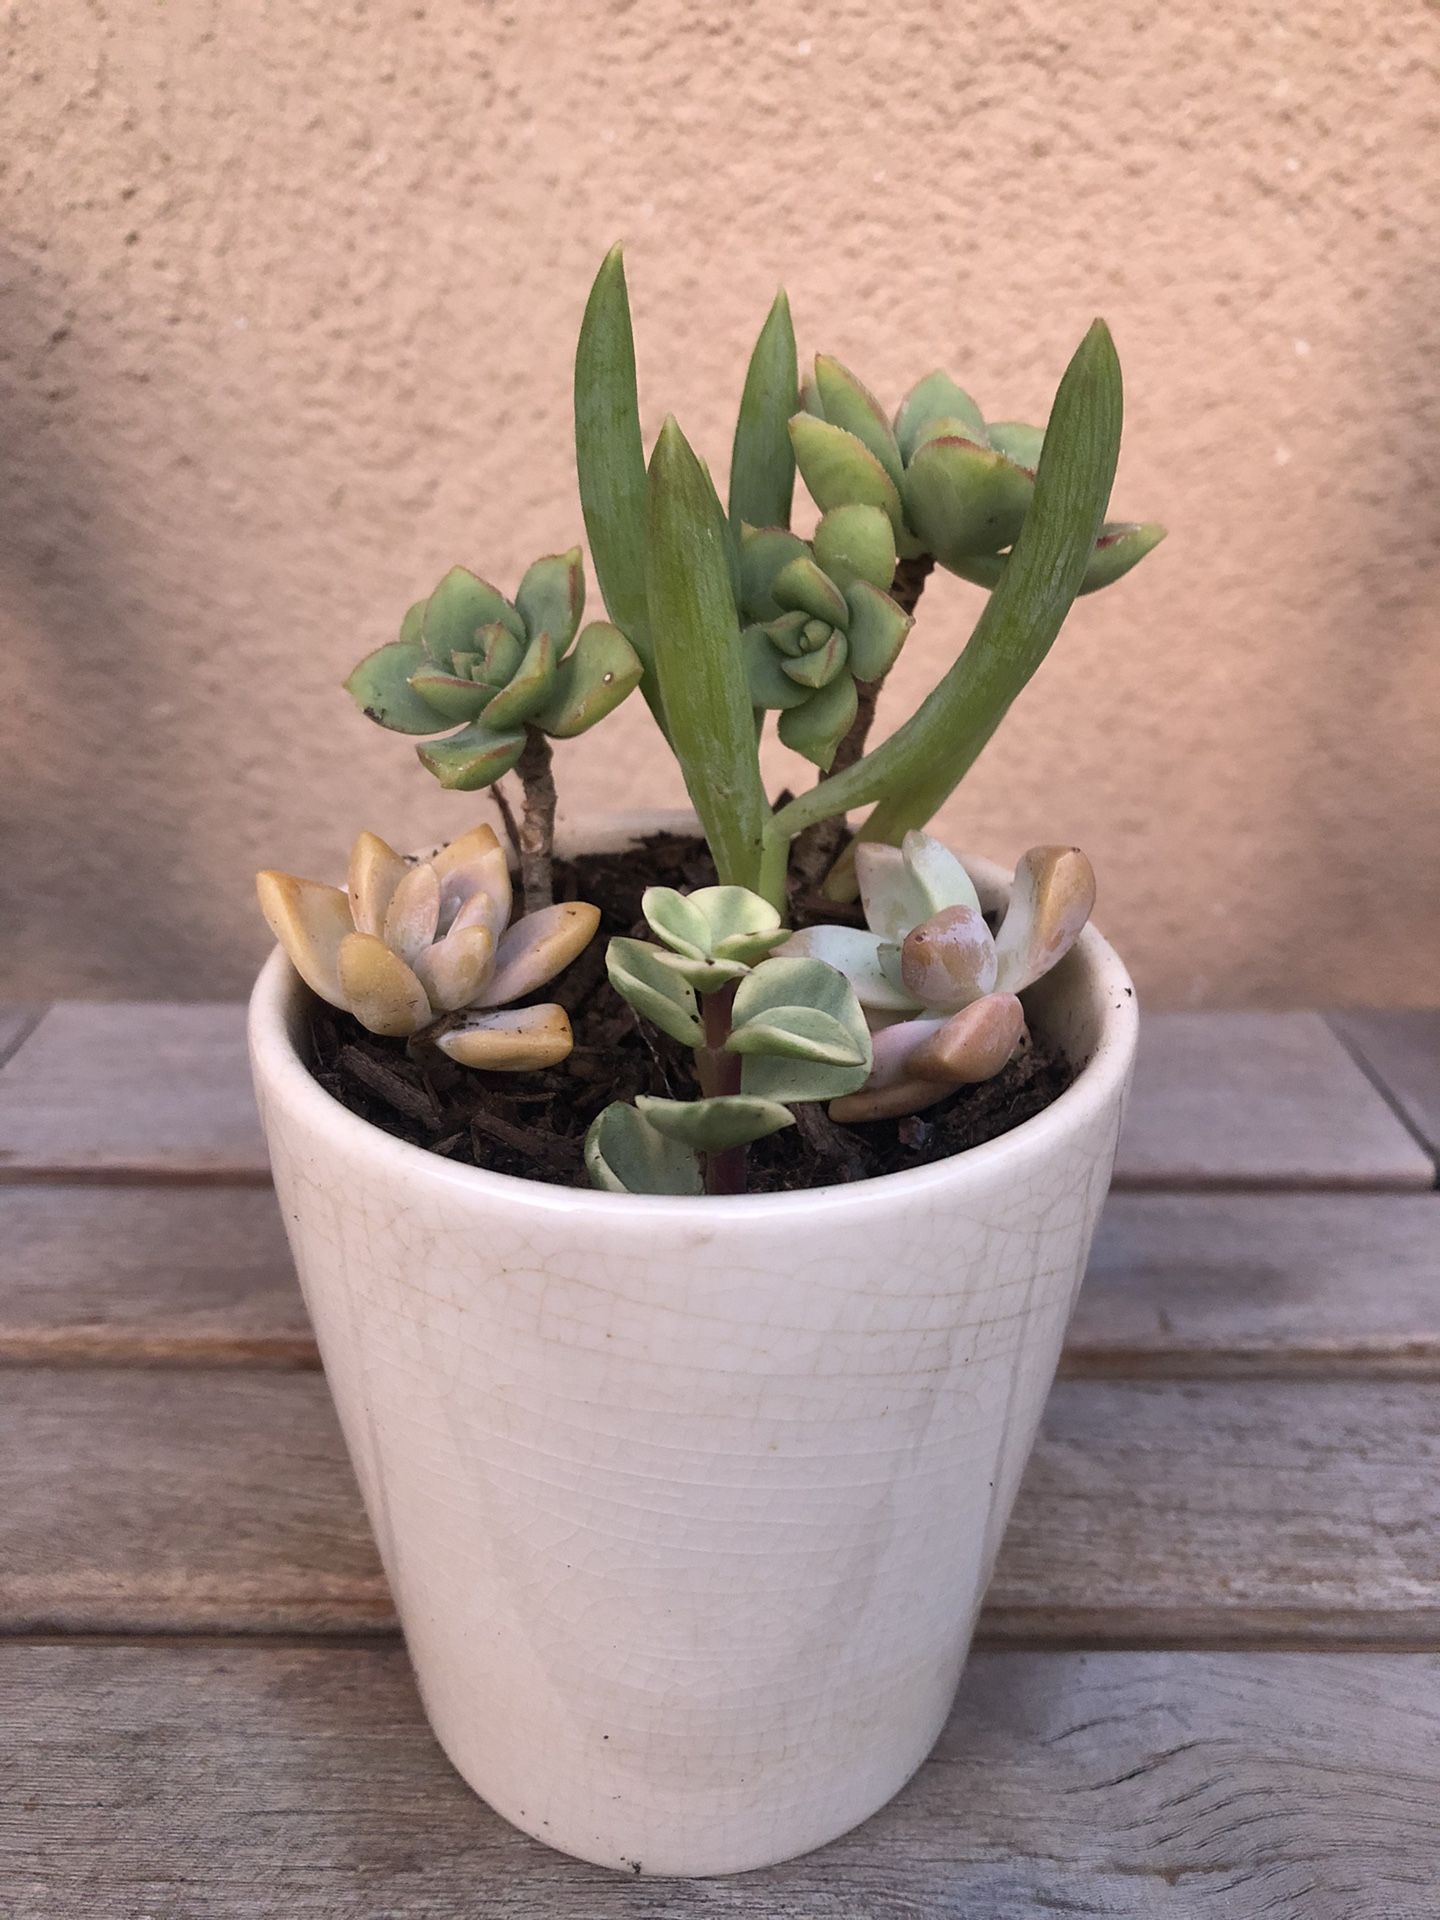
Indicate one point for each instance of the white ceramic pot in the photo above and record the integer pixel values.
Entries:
(688, 1506)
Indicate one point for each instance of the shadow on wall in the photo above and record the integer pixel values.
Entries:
(90, 686)
(1374, 675)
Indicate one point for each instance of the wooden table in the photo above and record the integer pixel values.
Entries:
(1208, 1679)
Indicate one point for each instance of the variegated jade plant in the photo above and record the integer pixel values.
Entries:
(767, 1034)
(428, 950)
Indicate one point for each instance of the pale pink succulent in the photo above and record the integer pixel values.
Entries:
(405, 945)
(939, 990)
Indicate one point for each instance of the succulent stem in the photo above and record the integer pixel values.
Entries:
(537, 827)
(719, 1073)
(507, 816)
(818, 847)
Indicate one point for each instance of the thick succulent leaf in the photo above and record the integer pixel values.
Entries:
(850, 404)
(821, 666)
(711, 1126)
(707, 701)
(856, 543)
(801, 587)
(610, 459)
(528, 692)
(963, 499)
(413, 915)
(454, 970)
(679, 923)
(932, 399)
(878, 627)
(374, 873)
(499, 658)
(799, 1027)
(600, 671)
(973, 1044)
(456, 611)
(855, 952)
(940, 875)
(1018, 442)
(764, 551)
(817, 728)
(310, 920)
(788, 634)
(949, 959)
(762, 462)
(449, 697)
(519, 1040)
(726, 922)
(474, 757)
(625, 1154)
(379, 989)
(765, 676)
(1051, 899)
(551, 597)
(380, 687)
(537, 947)
(474, 874)
(412, 627)
(841, 471)
(1119, 548)
(705, 976)
(658, 992)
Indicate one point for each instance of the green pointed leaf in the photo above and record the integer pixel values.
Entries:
(765, 676)
(764, 552)
(850, 404)
(529, 688)
(380, 687)
(787, 634)
(762, 462)
(698, 658)
(820, 665)
(456, 611)
(1119, 548)
(877, 631)
(801, 587)
(841, 471)
(625, 1154)
(658, 992)
(1018, 442)
(857, 543)
(963, 499)
(500, 657)
(452, 696)
(474, 757)
(711, 1126)
(817, 728)
(412, 627)
(600, 671)
(610, 461)
(932, 399)
(551, 597)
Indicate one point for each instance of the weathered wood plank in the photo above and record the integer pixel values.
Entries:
(251, 1783)
(1162, 1512)
(1318, 1284)
(1259, 1100)
(133, 1090)
(191, 1276)
(16, 1023)
(1233, 1099)
(1180, 1285)
(1402, 1050)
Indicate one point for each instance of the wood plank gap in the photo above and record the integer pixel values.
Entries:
(1394, 1098)
(17, 1023)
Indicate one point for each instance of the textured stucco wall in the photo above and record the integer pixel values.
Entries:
(289, 298)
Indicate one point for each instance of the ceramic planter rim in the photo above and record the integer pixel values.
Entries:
(1095, 1084)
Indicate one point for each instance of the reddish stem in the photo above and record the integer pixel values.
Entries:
(719, 1073)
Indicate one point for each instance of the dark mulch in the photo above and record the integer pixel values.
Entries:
(534, 1124)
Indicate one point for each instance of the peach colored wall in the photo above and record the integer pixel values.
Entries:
(290, 292)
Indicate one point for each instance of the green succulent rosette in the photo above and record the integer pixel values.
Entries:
(820, 620)
(468, 655)
(950, 485)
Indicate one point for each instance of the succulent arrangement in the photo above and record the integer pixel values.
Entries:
(722, 616)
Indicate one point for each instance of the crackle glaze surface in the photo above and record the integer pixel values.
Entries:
(688, 1506)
